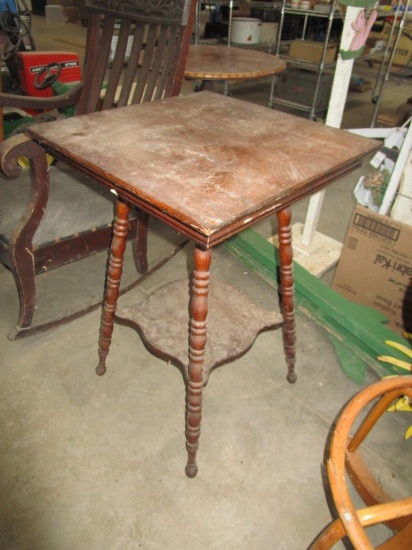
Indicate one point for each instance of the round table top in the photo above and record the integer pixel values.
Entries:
(207, 62)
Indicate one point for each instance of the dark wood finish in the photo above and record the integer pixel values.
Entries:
(209, 166)
(197, 344)
(345, 457)
(206, 62)
(248, 161)
(287, 290)
(114, 274)
(154, 32)
(1, 117)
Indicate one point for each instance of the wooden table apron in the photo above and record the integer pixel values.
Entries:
(209, 166)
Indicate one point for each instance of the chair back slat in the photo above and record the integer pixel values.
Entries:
(130, 76)
(171, 59)
(145, 63)
(135, 51)
(118, 57)
(92, 52)
(98, 66)
(158, 64)
(165, 63)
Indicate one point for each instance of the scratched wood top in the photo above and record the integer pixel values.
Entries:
(228, 63)
(207, 164)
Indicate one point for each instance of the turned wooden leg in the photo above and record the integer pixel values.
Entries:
(113, 282)
(197, 344)
(287, 290)
(140, 244)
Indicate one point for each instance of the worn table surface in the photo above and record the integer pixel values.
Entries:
(206, 164)
(207, 62)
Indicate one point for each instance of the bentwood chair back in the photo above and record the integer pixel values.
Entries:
(345, 458)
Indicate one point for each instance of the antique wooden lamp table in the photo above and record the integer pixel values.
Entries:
(209, 166)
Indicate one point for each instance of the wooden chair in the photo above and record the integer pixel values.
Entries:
(136, 51)
(345, 457)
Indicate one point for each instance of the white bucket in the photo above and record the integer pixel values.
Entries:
(245, 30)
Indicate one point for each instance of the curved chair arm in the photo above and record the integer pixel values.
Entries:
(21, 258)
(13, 148)
(71, 97)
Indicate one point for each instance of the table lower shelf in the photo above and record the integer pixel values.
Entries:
(233, 323)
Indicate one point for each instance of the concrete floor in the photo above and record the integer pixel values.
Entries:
(98, 463)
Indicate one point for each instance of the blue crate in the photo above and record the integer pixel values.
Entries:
(10, 4)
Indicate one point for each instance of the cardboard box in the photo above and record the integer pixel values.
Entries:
(403, 53)
(268, 32)
(54, 13)
(391, 118)
(375, 267)
(71, 14)
(308, 50)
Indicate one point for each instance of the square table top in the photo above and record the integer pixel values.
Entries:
(204, 163)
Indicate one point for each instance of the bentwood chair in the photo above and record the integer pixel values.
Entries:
(135, 52)
(345, 460)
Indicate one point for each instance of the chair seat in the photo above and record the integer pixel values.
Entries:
(76, 205)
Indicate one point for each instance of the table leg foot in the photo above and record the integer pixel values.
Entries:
(114, 274)
(191, 470)
(197, 344)
(291, 377)
(100, 370)
(287, 291)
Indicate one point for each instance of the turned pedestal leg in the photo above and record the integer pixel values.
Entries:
(287, 290)
(197, 344)
(113, 282)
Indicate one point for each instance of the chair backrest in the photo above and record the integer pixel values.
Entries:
(345, 462)
(344, 457)
(135, 51)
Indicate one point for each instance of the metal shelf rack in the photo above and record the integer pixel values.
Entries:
(387, 70)
(318, 68)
